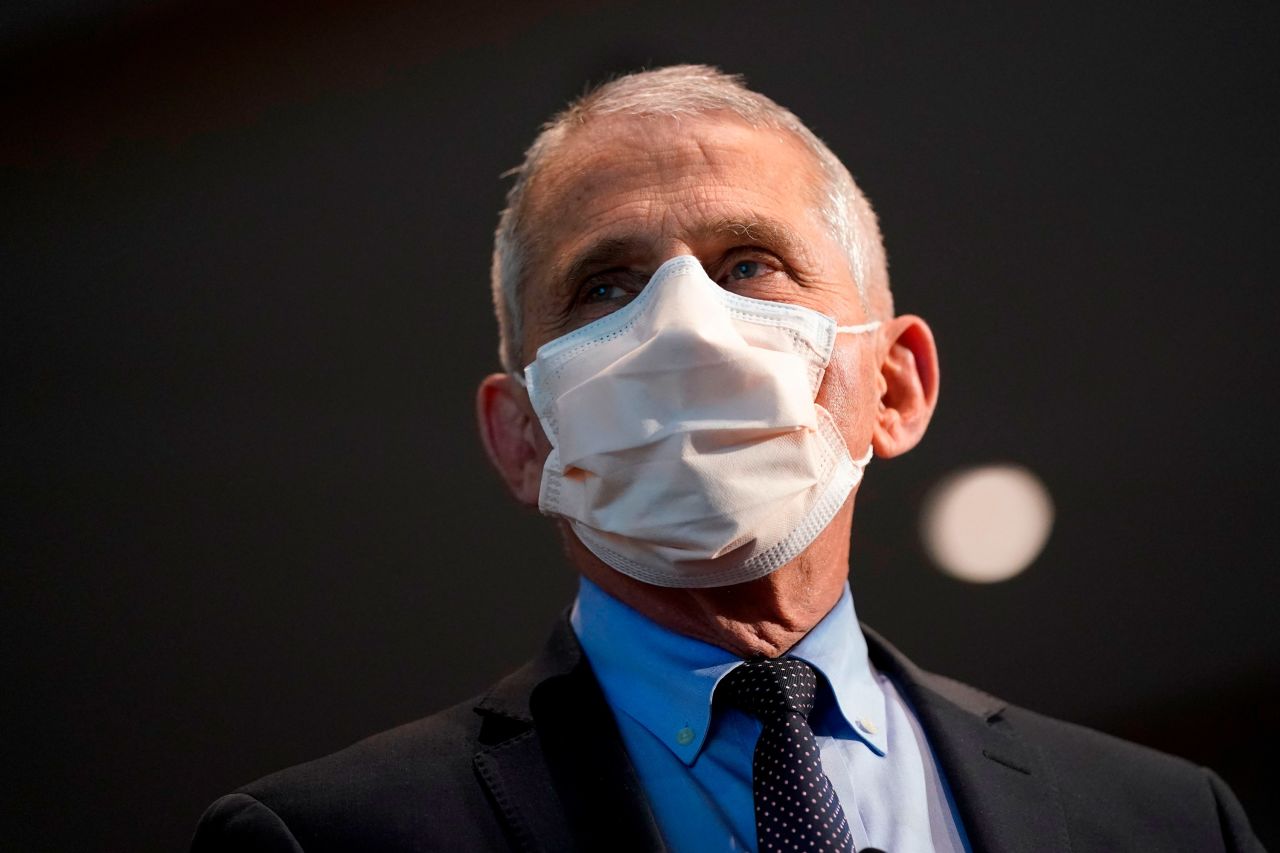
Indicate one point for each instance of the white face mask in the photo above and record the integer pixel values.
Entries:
(687, 449)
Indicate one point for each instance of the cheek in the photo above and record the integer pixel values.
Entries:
(847, 392)
(536, 331)
(538, 439)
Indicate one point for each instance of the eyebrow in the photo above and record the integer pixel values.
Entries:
(770, 233)
(603, 252)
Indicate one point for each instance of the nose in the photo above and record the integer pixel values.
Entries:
(671, 247)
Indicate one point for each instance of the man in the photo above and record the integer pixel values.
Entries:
(702, 358)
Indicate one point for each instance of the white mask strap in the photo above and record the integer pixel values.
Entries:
(857, 330)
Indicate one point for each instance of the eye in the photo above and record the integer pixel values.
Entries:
(604, 292)
(746, 269)
(750, 270)
(610, 289)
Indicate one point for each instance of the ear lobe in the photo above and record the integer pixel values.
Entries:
(511, 435)
(908, 385)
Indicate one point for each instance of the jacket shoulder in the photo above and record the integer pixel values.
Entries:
(1103, 780)
(1073, 746)
(1011, 767)
(413, 787)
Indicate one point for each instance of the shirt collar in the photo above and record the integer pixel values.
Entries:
(836, 648)
(665, 681)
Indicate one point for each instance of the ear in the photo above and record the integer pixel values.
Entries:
(908, 385)
(512, 436)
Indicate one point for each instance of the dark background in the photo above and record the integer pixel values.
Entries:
(245, 305)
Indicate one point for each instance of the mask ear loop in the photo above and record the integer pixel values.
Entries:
(862, 463)
(866, 458)
(857, 330)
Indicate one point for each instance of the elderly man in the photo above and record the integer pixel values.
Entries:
(701, 360)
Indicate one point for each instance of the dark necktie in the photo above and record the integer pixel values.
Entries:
(796, 807)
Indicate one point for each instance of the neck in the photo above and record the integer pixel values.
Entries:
(765, 617)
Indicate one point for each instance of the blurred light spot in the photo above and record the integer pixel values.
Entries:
(987, 524)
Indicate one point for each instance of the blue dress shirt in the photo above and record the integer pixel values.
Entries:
(695, 765)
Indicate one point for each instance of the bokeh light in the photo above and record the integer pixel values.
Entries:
(988, 523)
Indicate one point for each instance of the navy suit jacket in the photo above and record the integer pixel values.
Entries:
(537, 764)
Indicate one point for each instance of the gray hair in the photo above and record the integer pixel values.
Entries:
(674, 92)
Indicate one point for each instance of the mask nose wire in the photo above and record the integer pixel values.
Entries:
(846, 330)
(840, 330)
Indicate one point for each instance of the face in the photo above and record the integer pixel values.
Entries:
(626, 194)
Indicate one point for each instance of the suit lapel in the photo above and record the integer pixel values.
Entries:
(553, 762)
(1003, 789)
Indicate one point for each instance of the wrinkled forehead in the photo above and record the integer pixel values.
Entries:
(617, 167)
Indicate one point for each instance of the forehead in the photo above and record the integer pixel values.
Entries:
(662, 175)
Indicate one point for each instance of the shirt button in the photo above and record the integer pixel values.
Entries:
(684, 737)
(866, 725)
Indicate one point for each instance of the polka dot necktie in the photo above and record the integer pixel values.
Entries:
(796, 807)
